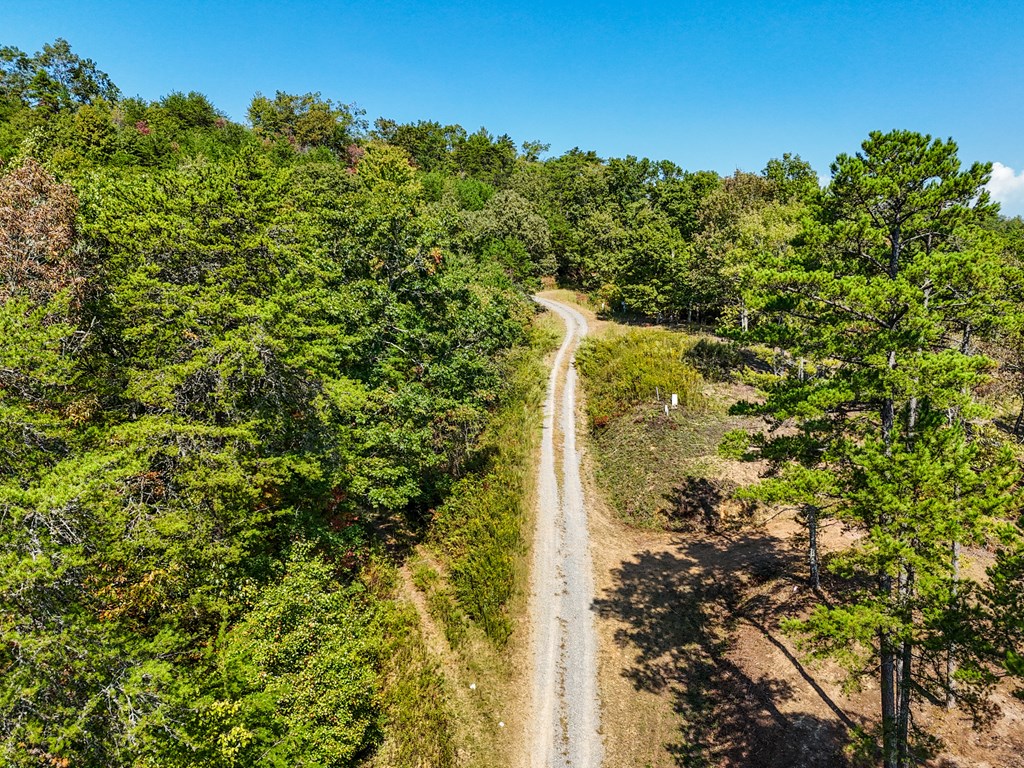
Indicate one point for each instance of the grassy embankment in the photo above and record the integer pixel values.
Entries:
(470, 575)
(659, 469)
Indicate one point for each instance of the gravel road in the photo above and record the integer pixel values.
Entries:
(566, 718)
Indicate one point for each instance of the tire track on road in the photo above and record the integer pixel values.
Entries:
(565, 721)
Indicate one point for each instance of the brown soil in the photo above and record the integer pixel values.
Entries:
(696, 672)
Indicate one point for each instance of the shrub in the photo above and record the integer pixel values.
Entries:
(479, 528)
(626, 369)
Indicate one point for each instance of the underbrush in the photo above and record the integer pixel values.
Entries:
(625, 369)
(649, 466)
(421, 730)
(478, 531)
(468, 571)
(658, 466)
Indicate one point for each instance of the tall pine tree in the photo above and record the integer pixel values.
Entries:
(884, 291)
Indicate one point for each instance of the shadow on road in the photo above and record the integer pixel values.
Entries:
(680, 610)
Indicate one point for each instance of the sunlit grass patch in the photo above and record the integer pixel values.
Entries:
(623, 370)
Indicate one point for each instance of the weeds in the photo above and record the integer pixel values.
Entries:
(717, 360)
(625, 369)
(646, 459)
(421, 730)
(650, 463)
(479, 529)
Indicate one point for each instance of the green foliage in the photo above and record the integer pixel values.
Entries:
(295, 682)
(479, 528)
(236, 350)
(304, 122)
(429, 143)
(509, 229)
(53, 79)
(473, 194)
(716, 360)
(625, 369)
(890, 283)
(793, 177)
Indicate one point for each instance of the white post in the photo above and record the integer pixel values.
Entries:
(675, 400)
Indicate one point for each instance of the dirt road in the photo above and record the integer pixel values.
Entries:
(566, 718)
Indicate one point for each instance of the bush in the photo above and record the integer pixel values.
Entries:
(479, 528)
(296, 681)
(626, 369)
(717, 360)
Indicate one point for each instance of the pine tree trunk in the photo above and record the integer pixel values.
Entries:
(887, 653)
(903, 704)
(888, 691)
(951, 665)
(904, 675)
(888, 413)
(812, 546)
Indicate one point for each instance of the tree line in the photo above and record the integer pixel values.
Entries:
(230, 358)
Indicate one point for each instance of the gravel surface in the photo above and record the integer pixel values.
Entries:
(566, 721)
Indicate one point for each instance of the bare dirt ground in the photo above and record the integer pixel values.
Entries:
(695, 671)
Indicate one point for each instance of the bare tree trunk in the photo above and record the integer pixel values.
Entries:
(951, 665)
(888, 421)
(744, 319)
(888, 691)
(903, 713)
(812, 545)
(904, 675)
(887, 684)
(887, 653)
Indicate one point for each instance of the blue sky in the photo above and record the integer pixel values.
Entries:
(713, 85)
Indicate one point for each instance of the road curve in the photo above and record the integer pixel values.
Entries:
(566, 716)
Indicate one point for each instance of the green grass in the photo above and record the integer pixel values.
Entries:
(646, 459)
(421, 729)
(637, 366)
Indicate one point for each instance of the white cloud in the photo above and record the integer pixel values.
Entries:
(1007, 187)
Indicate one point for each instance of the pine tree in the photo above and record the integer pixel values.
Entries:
(885, 285)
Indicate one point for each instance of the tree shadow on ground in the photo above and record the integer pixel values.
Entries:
(679, 609)
(693, 504)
